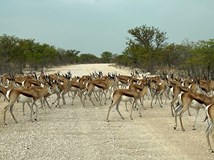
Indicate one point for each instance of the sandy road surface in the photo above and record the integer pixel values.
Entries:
(74, 132)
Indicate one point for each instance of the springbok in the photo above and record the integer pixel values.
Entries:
(140, 88)
(206, 86)
(123, 81)
(77, 88)
(159, 87)
(95, 86)
(14, 93)
(123, 94)
(64, 86)
(186, 101)
(210, 129)
(178, 88)
(5, 79)
(22, 99)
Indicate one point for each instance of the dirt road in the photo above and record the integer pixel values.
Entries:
(75, 132)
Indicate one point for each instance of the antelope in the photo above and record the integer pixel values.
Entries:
(20, 79)
(140, 88)
(14, 93)
(144, 82)
(186, 101)
(98, 85)
(135, 73)
(30, 82)
(123, 94)
(3, 91)
(123, 81)
(42, 77)
(178, 88)
(160, 88)
(134, 87)
(64, 86)
(206, 86)
(43, 100)
(22, 99)
(210, 129)
(5, 78)
(79, 88)
(78, 85)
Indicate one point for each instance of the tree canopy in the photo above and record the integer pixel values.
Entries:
(148, 50)
(18, 54)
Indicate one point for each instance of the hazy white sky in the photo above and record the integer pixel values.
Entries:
(95, 26)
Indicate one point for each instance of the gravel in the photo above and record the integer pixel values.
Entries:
(73, 132)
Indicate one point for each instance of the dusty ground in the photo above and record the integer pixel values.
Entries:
(74, 132)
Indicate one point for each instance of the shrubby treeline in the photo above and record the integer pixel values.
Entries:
(18, 54)
(147, 49)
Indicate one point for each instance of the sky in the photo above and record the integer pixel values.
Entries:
(95, 26)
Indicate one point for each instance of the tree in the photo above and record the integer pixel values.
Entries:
(8, 52)
(202, 57)
(106, 57)
(150, 38)
(144, 45)
(88, 58)
(72, 56)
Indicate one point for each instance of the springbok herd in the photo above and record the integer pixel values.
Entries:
(182, 92)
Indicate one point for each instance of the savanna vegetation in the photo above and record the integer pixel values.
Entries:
(147, 49)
